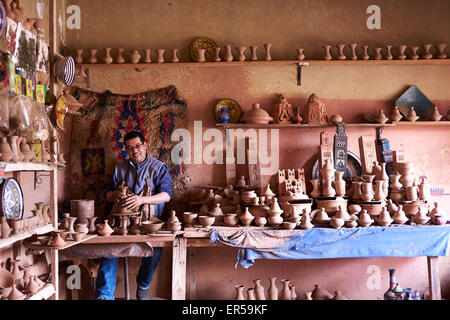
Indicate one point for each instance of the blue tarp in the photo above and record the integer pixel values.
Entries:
(323, 243)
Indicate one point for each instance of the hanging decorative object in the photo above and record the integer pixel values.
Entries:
(12, 202)
(64, 70)
(340, 148)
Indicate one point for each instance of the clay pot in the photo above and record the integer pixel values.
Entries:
(253, 55)
(285, 293)
(108, 59)
(228, 55)
(28, 154)
(341, 55)
(327, 188)
(384, 219)
(217, 212)
(339, 296)
(354, 208)
(342, 214)
(5, 228)
(320, 216)
(352, 222)
(331, 206)
(316, 188)
(421, 217)
(357, 193)
(206, 221)
(396, 115)
(378, 55)
(336, 223)
(399, 216)
(151, 226)
(239, 292)
(381, 117)
(364, 219)
(392, 208)
(91, 224)
(6, 153)
(379, 193)
(412, 208)
(412, 116)
(174, 227)
(57, 241)
(189, 218)
(81, 228)
(135, 56)
(231, 219)
(306, 221)
(335, 119)
(160, 55)
(79, 57)
(401, 51)
(320, 293)
(256, 115)
(246, 217)
(16, 294)
(373, 209)
(259, 290)
(308, 296)
(273, 290)
(78, 236)
(388, 54)
(217, 54)
(411, 193)
(289, 225)
(105, 230)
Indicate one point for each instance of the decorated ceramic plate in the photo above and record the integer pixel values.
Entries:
(353, 168)
(233, 107)
(12, 202)
(203, 43)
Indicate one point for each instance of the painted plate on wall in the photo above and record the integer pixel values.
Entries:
(12, 202)
(203, 43)
(353, 168)
(413, 97)
(234, 109)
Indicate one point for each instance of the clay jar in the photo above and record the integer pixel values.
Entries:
(367, 191)
(273, 290)
(339, 184)
(256, 115)
(364, 219)
(105, 230)
(82, 209)
(320, 293)
(259, 290)
(399, 216)
(135, 56)
(316, 188)
(384, 219)
(231, 219)
(246, 217)
(239, 292)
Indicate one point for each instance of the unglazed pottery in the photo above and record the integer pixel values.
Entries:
(120, 58)
(241, 55)
(200, 56)
(339, 296)
(217, 54)
(285, 293)
(306, 221)
(206, 221)
(260, 221)
(412, 116)
(327, 55)
(289, 225)
(364, 219)
(437, 210)
(160, 55)
(435, 116)
(399, 216)
(384, 219)
(256, 115)
(253, 55)
(259, 290)
(300, 56)
(93, 58)
(353, 48)
(228, 55)
(336, 223)
(267, 47)
(421, 217)
(239, 292)
(441, 47)
(272, 292)
(365, 54)
(189, 218)
(381, 117)
(378, 55)
(320, 293)
(396, 115)
(341, 55)
(342, 214)
(105, 229)
(320, 216)
(414, 55)
(388, 54)
(316, 188)
(107, 59)
(401, 52)
(135, 56)
(427, 54)
(367, 191)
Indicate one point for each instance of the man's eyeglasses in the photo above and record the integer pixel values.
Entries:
(130, 148)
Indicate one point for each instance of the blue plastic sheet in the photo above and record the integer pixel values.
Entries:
(323, 243)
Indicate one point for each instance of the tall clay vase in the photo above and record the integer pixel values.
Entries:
(239, 292)
(147, 58)
(253, 56)
(339, 184)
(327, 188)
(160, 55)
(316, 188)
(46, 214)
(379, 193)
(267, 47)
(353, 48)
(135, 56)
(5, 228)
(378, 55)
(285, 293)
(389, 294)
(79, 58)
(217, 54)
(228, 55)
(441, 47)
(356, 195)
(327, 55)
(91, 227)
(259, 290)
(251, 294)
(293, 293)
(401, 52)
(120, 58)
(6, 154)
(241, 50)
(93, 58)
(107, 58)
(174, 56)
(389, 54)
(395, 184)
(341, 55)
(424, 190)
(272, 293)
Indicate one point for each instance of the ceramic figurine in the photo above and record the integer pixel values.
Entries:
(241, 51)
(441, 47)
(253, 56)
(300, 56)
(414, 55)
(341, 55)
(327, 55)
(389, 54)
(315, 111)
(283, 112)
(427, 54)
(401, 50)
(217, 54)
(160, 55)
(267, 47)
(353, 47)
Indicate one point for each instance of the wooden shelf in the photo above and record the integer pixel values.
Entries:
(14, 238)
(421, 123)
(158, 237)
(299, 126)
(28, 166)
(276, 63)
(46, 292)
(69, 243)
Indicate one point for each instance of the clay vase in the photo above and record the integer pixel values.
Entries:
(135, 225)
(57, 241)
(135, 56)
(228, 55)
(6, 153)
(46, 214)
(327, 55)
(79, 58)
(414, 55)
(365, 54)
(217, 212)
(339, 184)
(260, 221)
(120, 58)
(339, 296)
(421, 217)
(5, 228)
(305, 222)
(81, 228)
(32, 286)
(377, 53)
(352, 222)
(250, 294)
(342, 214)
(308, 296)
(327, 188)
(239, 292)
(412, 116)
(107, 59)
(392, 208)
(356, 195)
(12, 141)
(259, 290)
(253, 56)
(148, 58)
(174, 56)
(71, 222)
(364, 219)
(217, 54)
(441, 47)
(92, 58)
(411, 193)
(395, 184)
(353, 48)
(45, 156)
(427, 54)
(272, 293)
(389, 54)
(320, 293)
(367, 191)
(435, 116)
(241, 51)
(396, 115)
(82, 209)
(105, 230)
(200, 56)
(173, 217)
(401, 51)
(384, 218)
(246, 217)
(300, 56)
(285, 293)
(267, 47)
(399, 216)
(379, 193)
(91, 225)
(316, 188)
(381, 117)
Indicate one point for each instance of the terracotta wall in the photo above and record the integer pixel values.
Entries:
(349, 91)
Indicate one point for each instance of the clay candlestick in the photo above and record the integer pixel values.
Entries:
(377, 53)
(441, 47)
(353, 47)
(414, 55)
(427, 55)
(341, 55)
(160, 57)
(174, 56)
(217, 54)
(107, 59)
(389, 54)
(147, 58)
(228, 54)
(93, 58)
(365, 55)
(327, 55)
(79, 58)
(241, 50)
(253, 55)
(120, 58)
(401, 50)
(267, 47)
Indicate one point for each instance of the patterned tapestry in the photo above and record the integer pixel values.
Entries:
(97, 136)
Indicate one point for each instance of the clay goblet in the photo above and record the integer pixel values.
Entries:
(189, 218)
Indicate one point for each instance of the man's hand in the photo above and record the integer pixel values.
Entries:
(133, 202)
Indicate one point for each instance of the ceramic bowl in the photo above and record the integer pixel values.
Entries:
(43, 239)
(152, 226)
(189, 218)
(231, 219)
(174, 227)
(206, 221)
(77, 236)
(289, 225)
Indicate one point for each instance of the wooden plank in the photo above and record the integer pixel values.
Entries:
(179, 269)
(227, 231)
(14, 238)
(434, 280)
(153, 240)
(421, 123)
(69, 243)
(28, 166)
(298, 126)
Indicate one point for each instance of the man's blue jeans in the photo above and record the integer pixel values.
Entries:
(105, 284)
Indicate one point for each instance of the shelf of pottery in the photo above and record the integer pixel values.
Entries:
(206, 52)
